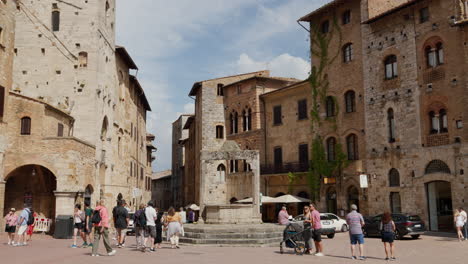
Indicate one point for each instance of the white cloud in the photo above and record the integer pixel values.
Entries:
(283, 65)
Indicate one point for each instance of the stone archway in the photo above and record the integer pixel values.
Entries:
(33, 186)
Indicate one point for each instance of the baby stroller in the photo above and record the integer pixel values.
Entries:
(293, 237)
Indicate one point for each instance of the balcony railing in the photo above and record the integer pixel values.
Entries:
(285, 168)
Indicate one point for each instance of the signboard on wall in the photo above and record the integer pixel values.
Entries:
(363, 181)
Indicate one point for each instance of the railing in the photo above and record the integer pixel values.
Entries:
(42, 224)
(285, 168)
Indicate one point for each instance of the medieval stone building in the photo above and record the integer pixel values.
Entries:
(76, 115)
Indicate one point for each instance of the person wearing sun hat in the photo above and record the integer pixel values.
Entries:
(10, 219)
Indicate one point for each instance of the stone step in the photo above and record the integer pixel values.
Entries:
(222, 235)
(244, 242)
(233, 229)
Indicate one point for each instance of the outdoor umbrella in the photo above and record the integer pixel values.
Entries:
(287, 199)
(249, 200)
(193, 207)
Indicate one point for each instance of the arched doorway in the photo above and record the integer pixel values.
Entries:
(88, 194)
(353, 197)
(331, 200)
(33, 186)
(439, 201)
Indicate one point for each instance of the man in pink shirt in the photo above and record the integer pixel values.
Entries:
(283, 216)
(101, 228)
(317, 225)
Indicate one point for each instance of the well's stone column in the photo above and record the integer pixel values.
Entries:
(64, 203)
(254, 164)
(2, 204)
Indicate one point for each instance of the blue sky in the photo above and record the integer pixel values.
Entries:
(176, 43)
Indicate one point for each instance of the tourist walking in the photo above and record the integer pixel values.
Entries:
(22, 227)
(183, 215)
(78, 225)
(356, 222)
(150, 214)
(317, 234)
(308, 233)
(31, 224)
(10, 225)
(388, 229)
(121, 219)
(159, 224)
(100, 220)
(87, 225)
(139, 220)
(459, 223)
(174, 227)
(283, 216)
(465, 226)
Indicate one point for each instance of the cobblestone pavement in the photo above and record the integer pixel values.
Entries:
(427, 249)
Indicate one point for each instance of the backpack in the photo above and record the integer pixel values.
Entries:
(141, 218)
(30, 218)
(96, 217)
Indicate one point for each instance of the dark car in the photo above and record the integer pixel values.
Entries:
(325, 221)
(406, 225)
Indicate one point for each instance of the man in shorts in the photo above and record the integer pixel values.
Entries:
(88, 225)
(22, 227)
(317, 226)
(356, 222)
(151, 215)
(120, 215)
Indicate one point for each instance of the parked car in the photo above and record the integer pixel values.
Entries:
(406, 225)
(327, 228)
(339, 224)
(131, 224)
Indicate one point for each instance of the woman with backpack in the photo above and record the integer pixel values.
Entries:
(78, 224)
(174, 227)
(388, 228)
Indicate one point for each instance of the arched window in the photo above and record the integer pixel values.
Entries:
(331, 144)
(391, 125)
(350, 101)
(352, 147)
(443, 121)
(391, 67)
(325, 27)
(436, 166)
(55, 18)
(244, 120)
(440, 53)
(26, 125)
(107, 6)
(231, 123)
(221, 173)
(105, 125)
(393, 178)
(83, 59)
(236, 123)
(249, 120)
(434, 123)
(348, 52)
(233, 166)
(431, 56)
(219, 132)
(330, 106)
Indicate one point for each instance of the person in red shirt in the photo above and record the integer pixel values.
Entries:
(101, 229)
(29, 231)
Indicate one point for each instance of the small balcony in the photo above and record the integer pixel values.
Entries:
(285, 168)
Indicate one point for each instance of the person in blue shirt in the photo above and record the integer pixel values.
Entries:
(23, 226)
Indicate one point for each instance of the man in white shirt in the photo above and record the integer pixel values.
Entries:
(183, 215)
(465, 219)
(151, 215)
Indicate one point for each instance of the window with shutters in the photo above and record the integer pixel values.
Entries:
(55, 18)
(278, 157)
(352, 147)
(2, 101)
(331, 145)
(219, 132)
(302, 109)
(347, 52)
(26, 126)
(60, 130)
(391, 67)
(393, 178)
(277, 116)
(330, 106)
(350, 102)
(304, 154)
